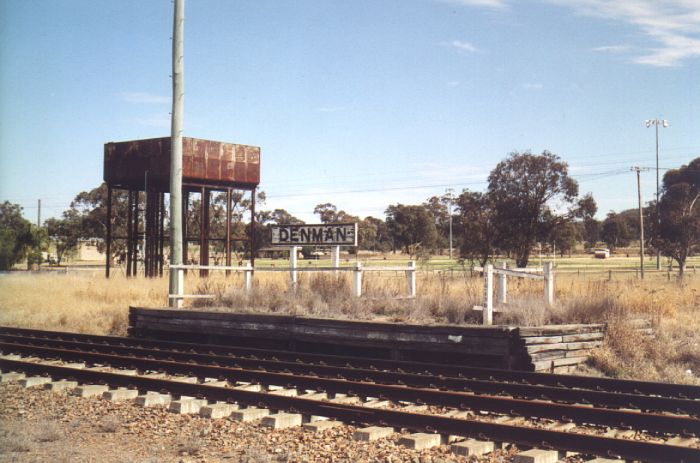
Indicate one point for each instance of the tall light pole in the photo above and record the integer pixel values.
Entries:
(176, 242)
(656, 123)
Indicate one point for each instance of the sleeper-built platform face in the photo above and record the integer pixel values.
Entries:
(144, 166)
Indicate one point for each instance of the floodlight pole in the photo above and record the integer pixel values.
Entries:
(176, 276)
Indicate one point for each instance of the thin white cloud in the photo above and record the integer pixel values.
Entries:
(464, 46)
(453, 83)
(161, 120)
(493, 4)
(612, 48)
(330, 109)
(533, 86)
(673, 26)
(143, 98)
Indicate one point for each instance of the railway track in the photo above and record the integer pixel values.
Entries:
(660, 421)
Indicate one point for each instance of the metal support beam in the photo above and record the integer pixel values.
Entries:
(252, 226)
(108, 241)
(129, 231)
(204, 231)
(161, 235)
(228, 230)
(184, 230)
(135, 235)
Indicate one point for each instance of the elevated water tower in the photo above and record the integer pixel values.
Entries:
(143, 167)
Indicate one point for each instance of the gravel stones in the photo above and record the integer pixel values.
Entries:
(94, 429)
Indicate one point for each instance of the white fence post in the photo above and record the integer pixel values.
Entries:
(488, 295)
(411, 278)
(335, 258)
(549, 283)
(248, 275)
(357, 280)
(180, 289)
(502, 288)
(292, 267)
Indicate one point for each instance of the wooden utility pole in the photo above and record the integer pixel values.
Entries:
(38, 214)
(178, 58)
(641, 225)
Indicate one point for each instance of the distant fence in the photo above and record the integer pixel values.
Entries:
(612, 274)
(249, 271)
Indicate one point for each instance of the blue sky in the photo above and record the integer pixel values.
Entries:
(359, 103)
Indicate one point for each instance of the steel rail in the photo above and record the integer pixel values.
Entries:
(525, 436)
(558, 380)
(655, 423)
(584, 396)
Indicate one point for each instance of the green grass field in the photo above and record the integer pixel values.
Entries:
(576, 263)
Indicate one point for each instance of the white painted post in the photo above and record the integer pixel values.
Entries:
(501, 295)
(248, 275)
(488, 295)
(177, 302)
(292, 267)
(411, 278)
(335, 258)
(357, 280)
(549, 283)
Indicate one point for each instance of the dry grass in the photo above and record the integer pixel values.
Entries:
(48, 431)
(75, 302)
(14, 438)
(109, 424)
(96, 305)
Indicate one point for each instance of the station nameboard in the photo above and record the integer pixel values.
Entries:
(336, 234)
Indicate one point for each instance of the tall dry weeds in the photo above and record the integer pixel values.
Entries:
(75, 302)
(99, 306)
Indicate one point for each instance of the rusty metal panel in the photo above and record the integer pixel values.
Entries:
(204, 161)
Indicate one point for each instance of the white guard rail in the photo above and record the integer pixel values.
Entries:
(546, 274)
(357, 270)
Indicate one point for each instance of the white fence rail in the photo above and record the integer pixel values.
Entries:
(248, 271)
(547, 274)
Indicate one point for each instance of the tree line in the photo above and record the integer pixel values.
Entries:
(530, 199)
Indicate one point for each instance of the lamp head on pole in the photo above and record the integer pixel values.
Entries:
(657, 122)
